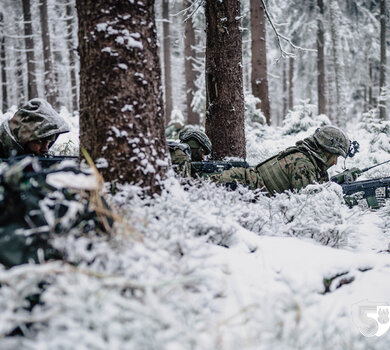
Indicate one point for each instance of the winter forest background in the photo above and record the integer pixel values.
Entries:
(193, 265)
(44, 33)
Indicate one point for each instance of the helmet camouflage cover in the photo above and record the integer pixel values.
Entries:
(332, 140)
(189, 132)
(36, 120)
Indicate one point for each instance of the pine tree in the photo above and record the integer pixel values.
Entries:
(382, 74)
(189, 56)
(259, 78)
(51, 91)
(321, 59)
(167, 60)
(3, 63)
(224, 86)
(121, 108)
(32, 90)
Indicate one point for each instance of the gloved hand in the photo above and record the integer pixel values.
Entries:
(348, 175)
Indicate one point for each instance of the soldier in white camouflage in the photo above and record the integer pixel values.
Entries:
(33, 129)
(194, 145)
(296, 167)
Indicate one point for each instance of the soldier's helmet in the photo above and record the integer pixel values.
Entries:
(172, 130)
(332, 140)
(189, 133)
(36, 120)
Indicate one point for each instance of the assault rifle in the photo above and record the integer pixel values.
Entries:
(367, 187)
(44, 161)
(215, 166)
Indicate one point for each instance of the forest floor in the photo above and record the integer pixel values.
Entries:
(201, 267)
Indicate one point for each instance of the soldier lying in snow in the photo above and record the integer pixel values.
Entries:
(194, 146)
(32, 130)
(294, 168)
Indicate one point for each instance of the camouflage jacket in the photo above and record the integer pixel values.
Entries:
(181, 158)
(294, 168)
(34, 121)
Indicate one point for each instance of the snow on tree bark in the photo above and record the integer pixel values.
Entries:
(338, 62)
(167, 61)
(30, 56)
(189, 53)
(3, 63)
(49, 81)
(259, 76)
(71, 51)
(291, 61)
(121, 108)
(382, 71)
(225, 97)
(321, 59)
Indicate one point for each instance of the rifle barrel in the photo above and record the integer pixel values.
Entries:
(374, 166)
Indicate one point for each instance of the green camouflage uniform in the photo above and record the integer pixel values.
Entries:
(294, 168)
(194, 144)
(34, 121)
(181, 157)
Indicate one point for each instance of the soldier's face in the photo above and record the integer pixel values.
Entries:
(332, 160)
(38, 147)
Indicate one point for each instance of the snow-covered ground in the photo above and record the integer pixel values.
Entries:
(200, 267)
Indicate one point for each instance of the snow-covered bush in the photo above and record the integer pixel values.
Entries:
(68, 144)
(378, 134)
(252, 113)
(302, 118)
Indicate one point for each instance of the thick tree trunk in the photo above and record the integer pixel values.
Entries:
(71, 52)
(121, 107)
(291, 83)
(321, 59)
(48, 76)
(225, 96)
(382, 71)
(259, 77)
(3, 62)
(189, 53)
(167, 61)
(32, 90)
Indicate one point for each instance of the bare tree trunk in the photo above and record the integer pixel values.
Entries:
(49, 80)
(121, 107)
(291, 83)
(338, 62)
(32, 90)
(321, 59)
(190, 54)
(259, 77)
(167, 61)
(285, 105)
(382, 71)
(225, 96)
(3, 62)
(21, 90)
(370, 97)
(71, 51)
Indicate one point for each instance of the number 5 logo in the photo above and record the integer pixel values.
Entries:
(371, 318)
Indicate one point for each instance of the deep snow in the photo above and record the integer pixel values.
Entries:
(199, 267)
